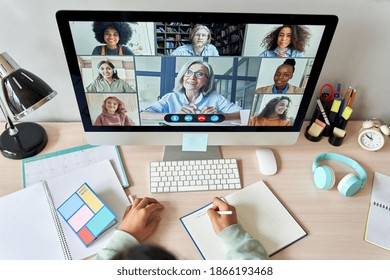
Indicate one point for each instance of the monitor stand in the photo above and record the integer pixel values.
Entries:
(177, 153)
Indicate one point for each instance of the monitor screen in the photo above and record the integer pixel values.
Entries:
(149, 77)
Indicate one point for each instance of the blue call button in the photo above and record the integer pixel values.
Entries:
(188, 118)
(214, 118)
(174, 118)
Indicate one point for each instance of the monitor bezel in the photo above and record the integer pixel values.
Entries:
(64, 17)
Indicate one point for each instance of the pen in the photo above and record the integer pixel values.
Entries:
(351, 98)
(131, 199)
(323, 111)
(225, 212)
(343, 101)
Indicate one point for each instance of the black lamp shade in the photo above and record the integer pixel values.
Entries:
(24, 92)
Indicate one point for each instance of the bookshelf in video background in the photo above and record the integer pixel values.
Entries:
(228, 39)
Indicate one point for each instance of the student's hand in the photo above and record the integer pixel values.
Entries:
(220, 222)
(141, 218)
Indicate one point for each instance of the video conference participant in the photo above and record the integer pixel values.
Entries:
(108, 80)
(273, 114)
(113, 113)
(200, 43)
(282, 75)
(114, 36)
(194, 93)
(286, 41)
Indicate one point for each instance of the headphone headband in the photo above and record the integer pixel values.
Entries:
(332, 156)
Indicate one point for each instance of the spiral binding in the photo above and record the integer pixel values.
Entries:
(381, 205)
(60, 232)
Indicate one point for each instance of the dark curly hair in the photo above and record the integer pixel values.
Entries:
(270, 108)
(291, 62)
(123, 29)
(299, 37)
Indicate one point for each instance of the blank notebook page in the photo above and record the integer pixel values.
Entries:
(265, 218)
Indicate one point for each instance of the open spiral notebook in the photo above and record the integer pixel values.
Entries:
(33, 229)
(258, 211)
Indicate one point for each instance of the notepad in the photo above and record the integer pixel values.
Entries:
(45, 166)
(31, 227)
(258, 211)
(378, 221)
(87, 214)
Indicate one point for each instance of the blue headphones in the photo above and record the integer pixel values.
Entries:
(324, 177)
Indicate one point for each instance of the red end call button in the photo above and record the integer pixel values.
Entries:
(201, 118)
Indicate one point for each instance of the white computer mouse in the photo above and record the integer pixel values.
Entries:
(267, 161)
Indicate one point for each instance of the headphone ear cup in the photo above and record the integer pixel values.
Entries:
(324, 177)
(349, 185)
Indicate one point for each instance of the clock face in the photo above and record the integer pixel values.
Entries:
(371, 140)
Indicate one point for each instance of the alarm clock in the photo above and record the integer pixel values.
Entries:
(373, 134)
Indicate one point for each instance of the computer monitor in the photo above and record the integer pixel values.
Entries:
(150, 77)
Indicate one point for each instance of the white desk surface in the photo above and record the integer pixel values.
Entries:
(335, 224)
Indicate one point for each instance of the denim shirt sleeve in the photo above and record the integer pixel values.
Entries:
(241, 245)
(118, 242)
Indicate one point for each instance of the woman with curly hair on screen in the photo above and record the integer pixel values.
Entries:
(286, 41)
(273, 114)
(114, 36)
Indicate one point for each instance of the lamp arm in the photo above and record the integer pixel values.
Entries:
(11, 127)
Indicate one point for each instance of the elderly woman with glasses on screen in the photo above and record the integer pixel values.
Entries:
(194, 93)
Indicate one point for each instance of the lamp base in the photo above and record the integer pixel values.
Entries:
(29, 141)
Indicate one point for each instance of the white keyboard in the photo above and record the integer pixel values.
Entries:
(194, 175)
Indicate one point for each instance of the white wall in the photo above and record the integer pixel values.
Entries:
(359, 54)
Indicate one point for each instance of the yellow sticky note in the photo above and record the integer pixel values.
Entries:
(347, 113)
(90, 198)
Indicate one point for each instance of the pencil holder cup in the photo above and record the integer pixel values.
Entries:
(336, 141)
(311, 137)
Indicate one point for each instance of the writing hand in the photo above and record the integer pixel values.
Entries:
(218, 221)
(141, 218)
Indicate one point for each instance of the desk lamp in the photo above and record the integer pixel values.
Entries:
(23, 93)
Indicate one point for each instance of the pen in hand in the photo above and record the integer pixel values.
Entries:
(225, 212)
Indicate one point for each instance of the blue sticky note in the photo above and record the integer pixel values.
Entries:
(194, 142)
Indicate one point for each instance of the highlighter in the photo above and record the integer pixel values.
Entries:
(334, 110)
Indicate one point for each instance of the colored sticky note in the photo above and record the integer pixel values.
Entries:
(347, 113)
(194, 142)
(69, 207)
(90, 198)
(80, 218)
(315, 129)
(85, 235)
(100, 221)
